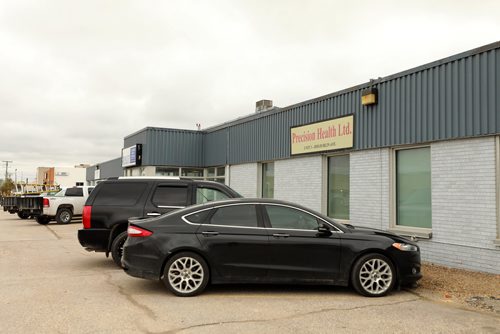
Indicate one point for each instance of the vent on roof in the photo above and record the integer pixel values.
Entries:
(263, 105)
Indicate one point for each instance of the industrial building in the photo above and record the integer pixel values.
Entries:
(416, 153)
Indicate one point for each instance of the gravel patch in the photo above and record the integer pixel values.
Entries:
(476, 290)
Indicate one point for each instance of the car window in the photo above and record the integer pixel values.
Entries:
(198, 217)
(289, 218)
(204, 195)
(90, 190)
(120, 194)
(235, 215)
(170, 196)
(60, 193)
(74, 192)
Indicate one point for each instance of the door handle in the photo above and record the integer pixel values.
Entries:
(153, 214)
(281, 235)
(210, 233)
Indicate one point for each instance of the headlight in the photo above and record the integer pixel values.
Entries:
(405, 247)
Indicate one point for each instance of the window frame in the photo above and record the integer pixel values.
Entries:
(420, 232)
(261, 178)
(327, 181)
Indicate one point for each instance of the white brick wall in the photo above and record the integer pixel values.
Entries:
(244, 179)
(464, 257)
(299, 180)
(464, 202)
(464, 192)
(369, 183)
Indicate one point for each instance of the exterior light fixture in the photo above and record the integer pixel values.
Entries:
(369, 96)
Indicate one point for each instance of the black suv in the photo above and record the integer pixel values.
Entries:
(114, 201)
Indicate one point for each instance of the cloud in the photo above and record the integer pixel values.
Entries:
(78, 76)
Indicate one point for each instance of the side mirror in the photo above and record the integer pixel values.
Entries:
(324, 230)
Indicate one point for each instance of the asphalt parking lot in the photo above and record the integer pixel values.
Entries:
(50, 284)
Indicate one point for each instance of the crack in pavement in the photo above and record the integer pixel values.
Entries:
(53, 232)
(296, 315)
(121, 290)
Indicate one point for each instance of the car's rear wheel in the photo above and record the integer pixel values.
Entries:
(186, 274)
(117, 248)
(373, 275)
(23, 215)
(42, 220)
(64, 216)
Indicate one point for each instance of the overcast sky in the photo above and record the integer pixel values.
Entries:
(78, 76)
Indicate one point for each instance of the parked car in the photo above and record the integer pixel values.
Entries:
(265, 241)
(114, 201)
(64, 205)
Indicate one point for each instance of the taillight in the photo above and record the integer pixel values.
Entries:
(46, 203)
(87, 213)
(134, 231)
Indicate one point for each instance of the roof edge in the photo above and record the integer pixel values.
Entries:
(435, 63)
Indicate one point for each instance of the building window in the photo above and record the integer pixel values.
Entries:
(413, 188)
(338, 187)
(217, 174)
(167, 171)
(268, 180)
(192, 172)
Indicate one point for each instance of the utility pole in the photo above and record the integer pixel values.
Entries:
(6, 169)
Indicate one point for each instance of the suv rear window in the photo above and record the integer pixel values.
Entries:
(120, 194)
(170, 196)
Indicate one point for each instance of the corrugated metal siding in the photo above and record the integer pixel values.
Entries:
(454, 99)
(215, 146)
(451, 98)
(112, 168)
(89, 173)
(140, 137)
(173, 147)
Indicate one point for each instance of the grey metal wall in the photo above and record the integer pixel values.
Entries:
(451, 98)
(111, 168)
(215, 148)
(172, 147)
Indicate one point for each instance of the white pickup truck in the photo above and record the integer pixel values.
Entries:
(64, 205)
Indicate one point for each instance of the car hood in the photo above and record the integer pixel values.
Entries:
(374, 231)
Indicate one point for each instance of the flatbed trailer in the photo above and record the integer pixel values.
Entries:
(26, 201)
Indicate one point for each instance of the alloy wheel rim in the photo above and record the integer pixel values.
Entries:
(375, 276)
(65, 217)
(185, 275)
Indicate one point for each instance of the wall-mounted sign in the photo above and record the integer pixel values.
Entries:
(97, 174)
(328, 135)
(132, 156)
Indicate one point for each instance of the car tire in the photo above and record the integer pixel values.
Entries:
(64, 216)
(42, 220)
(373, 275)
(117, 248)
(23, 215)
(186, 274)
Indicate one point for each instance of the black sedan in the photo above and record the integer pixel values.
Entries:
(265, 241)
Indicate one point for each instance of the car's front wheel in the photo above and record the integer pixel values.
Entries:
(373, 275)
(186, 274)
